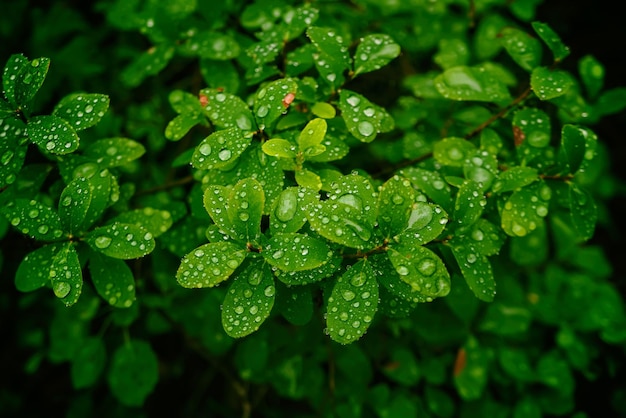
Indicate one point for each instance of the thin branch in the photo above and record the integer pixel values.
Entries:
(166, 186)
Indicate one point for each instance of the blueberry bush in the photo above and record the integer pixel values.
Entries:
(366, 208)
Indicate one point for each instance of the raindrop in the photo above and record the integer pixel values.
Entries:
(43, 229)
(369, 112)
(427, 266)
(518, 229)
(244, 216)
(353, 101)
(365, 128)
(348, 295)
(225, 155)
(262, 111)
(358, 280)
(402, 270)
(286, 205)
(103, 242)
(542, 211)
(278, 254)
(205, 149)
(471, 258)
(269, 291)
(61, 289)
(477, 235)
(351, 200)
(397, 199)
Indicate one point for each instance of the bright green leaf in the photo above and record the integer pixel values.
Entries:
(53, 134)
(304, 277)
(383, 270)
(295, 252)
(156, 221)
(81, 110)
(113, 280)
(421, 268)
(548, 84)
(395, 201)
(470, 203)
(432, 184)
(573, 146)
(225, 110)
(332, 58)
(592, 74)
(220, 149)
(311, 137)
(307, 178)
(323, 110)
(133, 372)
(280, 148)
(114, 152)
(119, 240)
(363, 118)
(209, 264)
(245, 207)
(288, 212)
(66, 274)
(525, 208)
(272, 101)
(373, 52)
(453, 151)
(426, 222)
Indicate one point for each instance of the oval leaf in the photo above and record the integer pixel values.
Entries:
(373, 52)
(270, 102)
(395, 201)
(120, 240)
(66, 275)
(295, 252)
(363, 119)
(422, 269)
(476, 270)
(220, 149)
(34, 270)
(113, 280)
(209, 264)
(34, 219)
(114, 152)
(82, 110)
(88, 363)
(53, 134)
(133, 372)
(548, 84)
(468, 83)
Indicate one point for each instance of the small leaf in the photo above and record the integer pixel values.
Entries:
(485, 237)
(14, 66)
(471, 83)
(395, 201)
(178, 127)
(149, 63)
(30, 79)
(212, 45)
(323, 110)
(288, 212)
(432, 184)
(225, 110)
(245, 207)
(426, 222)
(334, 149)
(120, 240)
(515, 178)
(332, 58)
(88, 363)
(295, 252)
(133, 372)
(452, 53)
(531, 127)
(81, 110)
(220, 75)
(523, 48)
(209, 264)
(12, 149)
(311, 137)
(384, 272)
(422, 269)
(113, 280)
(270, 104)
(363, 119)
(611, 101)
(114, 152)
(476, 269)
(280, 148)
(295, 303)
(156, 221)
(249, 301)
(573, 147)
(66, 274)
(470, 370)
(34, 219)
(34, 270)
(548, 84)
(470, 203)
(545, 32)
(373, 52)
(74, 204)
(220, 149)
(304, 277)
(453, 151)
(308, 179)
(352, 303)
(215, 202)
(53, 134)
(525, 208)
(592, 74)
(583, 211)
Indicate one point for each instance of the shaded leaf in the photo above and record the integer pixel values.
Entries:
(525, 209)
(34, 219)
(332, 58)
(225, 110)
(120, 240)
(471, 83)
(550, 37)
(270, 103)
(548, 84)
(12, 149)
(373, 52)
(524, 49)
(82, 110)
(113, 280)
(149, 63)
(395, 201)
(363, 119)
(453, 151)
(114, 152)
(53, 134)
(33, 271)
(88, 363)
(422, 269)
(133, 372)
(66, 274)
(209, 264)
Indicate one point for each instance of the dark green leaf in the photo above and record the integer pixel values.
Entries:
(573, 146)
(220, 75)
(15, 64)
(432, 184)
(295, 303)
(149, 63)
(592, 74)
(422, 269)
(113, 280)
(30, 79)
(373, 52)
(119, 240)
(81, 110)
(34, 270)
(471, 83)
(211, 45)
(611, 101)
(514, 178)
(525, 209)
(66, 274)
(34, 219)
(245, 205)
(476, 270)
(273, 100)
(249, 301)
(551, 39)
(74, 204)
(209, 264)
(12, 149)
(133, 372)
(470, 203)
(452, 53)
(225, 110)
(288, 212)
(531, 127)
(88, 363)
(295, 252)
(395, 201)
(220, 149)
(453, 151)
(156, 221)
(548, 84)
(523, 48)
(583, 211)
(470, 371)
(332, 58)
(53, 134)
(114, 152)
(352, 303)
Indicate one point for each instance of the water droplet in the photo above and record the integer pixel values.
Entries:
(365, 128)
(262, 111)
(358, 280)
(402, 270)
(286, 206)
(397, 199)
(478, 235)
(455, 154)
(61, 289)
(225, 155)
(351, 200)
(348, 295)
(103, 242)
(518, 229)
(33, 213)
(269, 291)
(244, 216)
(243, 122)
(239, 310)
(43, 229)
(15, 221)
(542, 211)
(205, 149)
(255, 278)
(427, 266)
(339, 232)
(353, 101)
(278, 254)
(471, 258)
(438, 184)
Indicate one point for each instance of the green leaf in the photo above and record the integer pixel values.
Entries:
(288, 212)
(481, 167)
(363, 118)
(270, 101)
(178, 127)
(532, 248)
(308, 179)
(34, 219)
(66, 274)
(592, 74)
(52, 134)
(545, 32)
(476, 269)
(12, 69)
(573, 146)
(220, 75)
(395, 201)
(311, 137)
(531, 127)
(133, 372)
(245, 206)
(113, 280)
(295, 303)
(295, 252)
(114, 152)
(352, 304)
(432, 184)
(151, 62)
(373, 52)
(156, 221)
(304, 277)
(485, 237)
(119, 240)
(209, 264)
(486, 41)
(470, 371)
(408, 372)
(34, 270)
(611, 101)
(470, 203)
(506, 319)
(212, 45)
(583, 211)
(335, 149)
(12, 149)
(553, 371)
(215, 202)
(280, 148)
(88, 363)
(323, 110)
(74, 204)
(515, 362)
(82, 110)
(220, 149)
(384, 272)
(525, 209)
(332, 58)
(522, 47)
(249, 301)
(452, 53)
(30, 79)
(514, 178)
(421, 268)
(471, 83)
(453, 151)
(225, 110)
(426, 222)
(548, 84)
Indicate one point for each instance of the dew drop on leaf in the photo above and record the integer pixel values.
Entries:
(365, 128)
(102, 242)
(61, 289)
(348, 295)
(427, 267)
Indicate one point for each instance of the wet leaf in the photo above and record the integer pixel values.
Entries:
(481, 167)
(453, 151)
(12, 149)
(432, 184)
(88, 363)
(16, 64)
(151, 62)
(295, 303)
(421, 268)
(220, 75)
(133, 372)
(515, 178)
(332, 58)
(34, 219)
(209, 264)
(114, 152)
(66, 274)
(573, 147)
(363, 119)
(395, 202)
(471, 83)
(119, 240)
(592, 74)
(470, 371)
(74, 204)
(82, 110)
(225, 110)
(53, 134)
(552, 40)
(156, 221)
(373, 52)
(426, 222)
(220, 149)
(515, 362)
(211, 45)
(270, 104)
(288, 212)
(311, 137)
(470, 203)
(549, 84)
(304, 277)
(245, 207)
(34, 270)
(484, 236)
(280, 148)
(352, 304)
(523, 48)
(525, 208)
(29, 80)
(486, 41)
(532, 127)
(583, 211)
(307, 178)
(476, 269)
(113, 280)
(295, 252)
(249, 301)
(384, 273)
